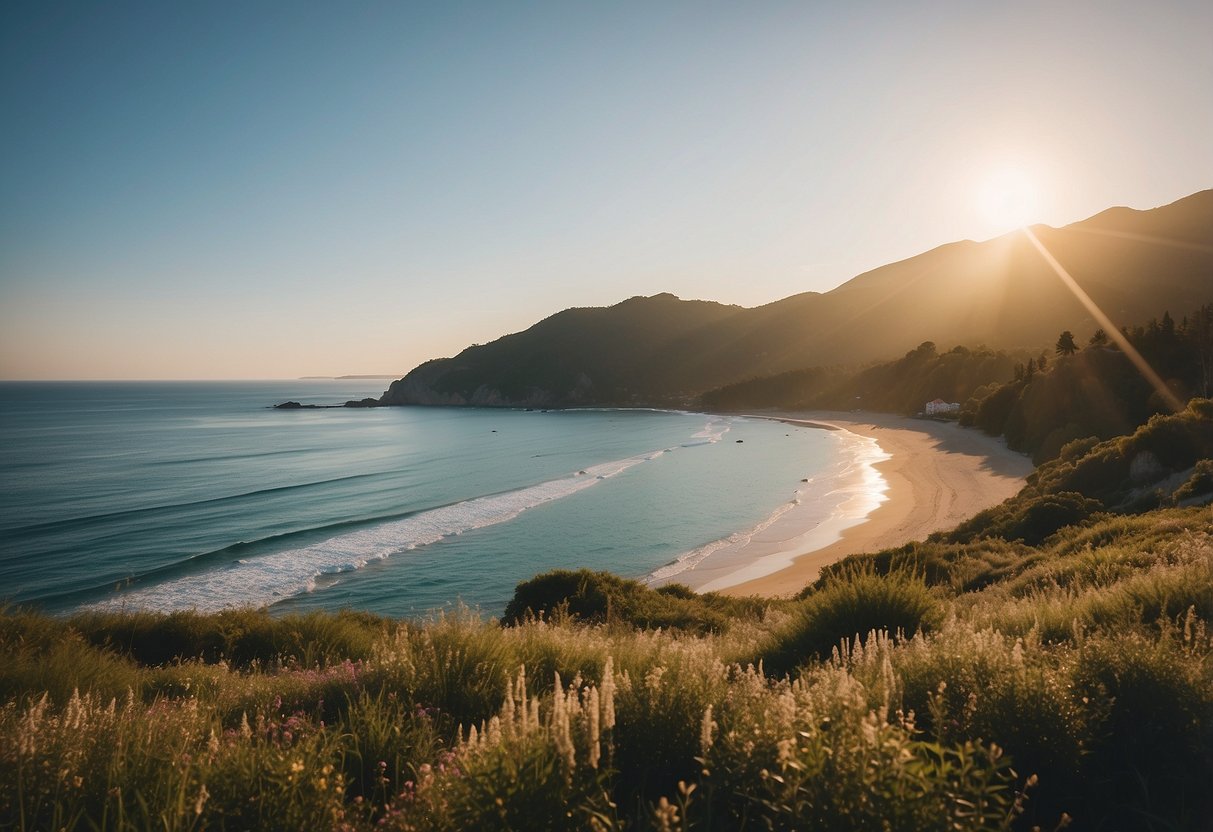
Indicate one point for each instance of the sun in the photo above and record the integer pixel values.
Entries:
(1009, 199)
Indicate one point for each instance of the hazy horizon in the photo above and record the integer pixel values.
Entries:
(280, 192)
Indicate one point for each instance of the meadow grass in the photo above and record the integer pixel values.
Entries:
(965, 686)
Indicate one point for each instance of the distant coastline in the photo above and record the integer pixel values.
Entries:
(355, 377)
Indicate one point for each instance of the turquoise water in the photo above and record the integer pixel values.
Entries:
(172, 495)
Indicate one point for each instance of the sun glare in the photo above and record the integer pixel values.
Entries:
(1008, 199)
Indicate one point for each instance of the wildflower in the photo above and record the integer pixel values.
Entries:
(705, 731)
(786, 750)
(607, 698)
(561, 727)
(203, 794)
(665, 816)
(595, 750)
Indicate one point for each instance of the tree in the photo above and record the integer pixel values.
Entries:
(1065, 343)
(1200, 334)
(1167, 325)
(1099, 339)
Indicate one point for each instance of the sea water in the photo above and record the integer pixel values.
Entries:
(178, 495)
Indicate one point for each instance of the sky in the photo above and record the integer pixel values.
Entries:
(272, 190)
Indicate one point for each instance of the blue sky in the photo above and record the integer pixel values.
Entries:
(222, 190)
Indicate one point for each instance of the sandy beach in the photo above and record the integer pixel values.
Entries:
(935, 475)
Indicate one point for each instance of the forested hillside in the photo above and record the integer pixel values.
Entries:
(1098, 391)
(900, 386)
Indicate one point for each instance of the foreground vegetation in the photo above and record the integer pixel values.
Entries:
(1048, 664)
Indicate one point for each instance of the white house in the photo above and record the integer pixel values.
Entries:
(937, 406)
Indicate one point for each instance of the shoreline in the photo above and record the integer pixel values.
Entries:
(929, 476)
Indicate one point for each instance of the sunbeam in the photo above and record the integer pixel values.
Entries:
(1105, 322)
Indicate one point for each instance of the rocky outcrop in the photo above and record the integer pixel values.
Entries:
(351, 403)
(425, 386)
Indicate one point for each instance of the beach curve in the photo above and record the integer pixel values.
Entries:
(933, 476)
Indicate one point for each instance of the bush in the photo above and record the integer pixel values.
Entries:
(815, 755)
(1198, 486)
(848, 605)
(1149, 755)
(1030, 520)
(239, 637)
(600, 597)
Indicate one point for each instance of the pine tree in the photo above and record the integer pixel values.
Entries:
(1065, 343)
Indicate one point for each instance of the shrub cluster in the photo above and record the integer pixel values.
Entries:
(600, 597)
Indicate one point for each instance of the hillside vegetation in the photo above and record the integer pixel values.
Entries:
(1035, 668)
(1038, 401)
(1096, 391)
(900, 386)
(1001, 292)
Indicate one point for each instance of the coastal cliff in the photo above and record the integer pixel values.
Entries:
(424, 386)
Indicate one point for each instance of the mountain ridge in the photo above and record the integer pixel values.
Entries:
(661, 349)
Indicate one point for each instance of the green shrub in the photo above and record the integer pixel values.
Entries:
(1029, 520)
(849, 604)
(60, 667)
(1198, 486)
(239, 637)
(814, 755)
(1150, 753)
(600, 597)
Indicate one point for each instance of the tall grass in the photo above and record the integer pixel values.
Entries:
(846, 605)
(940, 686)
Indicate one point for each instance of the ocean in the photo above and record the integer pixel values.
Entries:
(177, 495)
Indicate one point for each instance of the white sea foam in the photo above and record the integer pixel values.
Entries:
(693, 558)
(265, 580)
(712, 433)
(837, 498)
